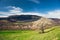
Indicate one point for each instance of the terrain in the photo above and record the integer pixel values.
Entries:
(28, 27)
(25, 22)
(50, 34)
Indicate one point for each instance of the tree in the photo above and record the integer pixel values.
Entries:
(42, 28)
(43, 24)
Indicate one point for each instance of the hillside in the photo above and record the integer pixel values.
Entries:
(56, 21)
(23, 22)
(51, 34)
(26, 18)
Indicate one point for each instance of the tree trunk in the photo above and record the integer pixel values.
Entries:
(42, 29)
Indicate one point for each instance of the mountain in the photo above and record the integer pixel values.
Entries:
(15, 18)
(56, 20)
(24, 18)
(22, 22)
(3, 18)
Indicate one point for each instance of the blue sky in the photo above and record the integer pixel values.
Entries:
(46, 8)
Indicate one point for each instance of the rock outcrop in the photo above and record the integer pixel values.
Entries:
(34, 23)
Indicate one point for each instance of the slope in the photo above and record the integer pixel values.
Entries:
(51, 34)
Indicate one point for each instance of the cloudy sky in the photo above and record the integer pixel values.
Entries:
(45, 8)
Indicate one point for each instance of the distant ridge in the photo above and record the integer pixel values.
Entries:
(29, 22)
(21, 18)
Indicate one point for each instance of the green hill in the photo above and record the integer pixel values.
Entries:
(50, 34)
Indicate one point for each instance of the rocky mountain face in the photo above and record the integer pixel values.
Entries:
(24, 22)
(25, 18)
(56, 21)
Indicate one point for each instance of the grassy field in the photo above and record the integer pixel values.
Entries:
(50, 34)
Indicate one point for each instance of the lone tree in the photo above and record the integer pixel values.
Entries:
(43, 24)
(42, 28)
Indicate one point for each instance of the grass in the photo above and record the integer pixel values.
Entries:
(50, 34)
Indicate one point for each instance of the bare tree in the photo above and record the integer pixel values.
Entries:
(42, 28)
(43, 25)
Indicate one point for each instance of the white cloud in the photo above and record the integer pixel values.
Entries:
(35, 1)
(12, 11)
(53, 14)
(15, 11)
(50, 14)
(18, 11)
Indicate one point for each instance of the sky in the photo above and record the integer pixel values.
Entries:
(45, 8)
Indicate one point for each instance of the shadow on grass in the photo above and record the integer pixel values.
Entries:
(47, 31)
(50, 30)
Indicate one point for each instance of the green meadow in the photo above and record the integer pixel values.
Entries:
(50, 34)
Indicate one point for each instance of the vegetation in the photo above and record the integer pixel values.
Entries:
(50, 34)
(29, 27)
